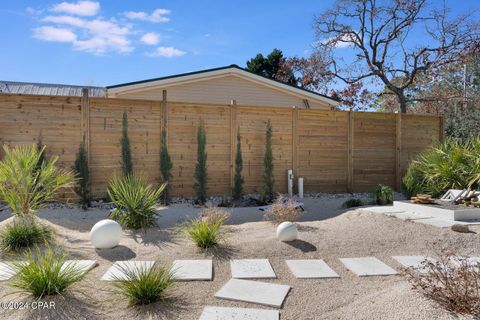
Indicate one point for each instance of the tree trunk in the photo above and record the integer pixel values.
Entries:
(402, 101)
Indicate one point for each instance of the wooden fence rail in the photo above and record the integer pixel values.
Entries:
(335, 151)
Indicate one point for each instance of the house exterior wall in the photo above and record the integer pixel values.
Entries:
(222, 90)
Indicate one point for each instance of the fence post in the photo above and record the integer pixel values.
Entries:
(233, 139)
(295, 111)
(398, 151)
(350, 151)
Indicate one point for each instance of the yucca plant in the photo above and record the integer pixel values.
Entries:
(206, 232)
(383, 195)
(142, 285)
(134, 200)
(46, 273)
(23, 233)
(27, 180)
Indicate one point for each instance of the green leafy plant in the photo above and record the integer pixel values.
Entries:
(22, 233)
(452, 164)
(134, 201)
(144, 285)
(206, 232)
(383, 195)
(83, 182)
(201, 175)
(267, 194)
(166, 164)
(350, 203)
(127, 165)
(46, 273)
(238, 179)
(26, 182)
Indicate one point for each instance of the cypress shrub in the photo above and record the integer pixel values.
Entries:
(238, 179)
(83, 175)
(127, 166)
(165, 163)
(268, 180)
(201, 166)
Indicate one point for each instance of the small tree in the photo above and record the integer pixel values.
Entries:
(165, 163)
(238, 179)
(127, 166)
(201, 166)
(83, 175)
(267, 192)
(41, 150)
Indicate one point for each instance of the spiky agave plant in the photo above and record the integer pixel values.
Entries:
(134, 200)
(27, 180)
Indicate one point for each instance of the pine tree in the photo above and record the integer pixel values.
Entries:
(127, 166)
(83, 175)
(201, 166)
(267, 192)
(165, 163)
(238, 179)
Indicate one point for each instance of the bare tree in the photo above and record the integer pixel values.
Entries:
(394, 41)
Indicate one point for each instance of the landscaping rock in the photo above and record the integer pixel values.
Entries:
(463, 228)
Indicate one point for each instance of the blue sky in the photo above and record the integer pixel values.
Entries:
(109, 42)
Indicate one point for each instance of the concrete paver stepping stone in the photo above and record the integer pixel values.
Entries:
(252, 269)
(311, 269)
(192, 269)
(367, 266)
(221, 313)
(7, 270)
(263, 293)
(82, 265)
(116, 271)
(414, 262)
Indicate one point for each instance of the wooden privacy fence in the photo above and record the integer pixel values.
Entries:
(335, 151)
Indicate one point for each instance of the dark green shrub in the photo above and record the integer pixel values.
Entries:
(45, 274)
(22, 233)
(350, 203)
(127, 165)
(238, 179)
(144, 285)
(201, 174)
(383, 195)
(83, 176)
(268, 180)
(134, 201)
(449, 165)
(166, 164)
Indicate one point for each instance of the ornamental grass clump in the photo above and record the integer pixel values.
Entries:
(135, 201)
(23, 233)
(451, 282)
(383, 195)
(46, 273)
(207, 231)
(142, 285)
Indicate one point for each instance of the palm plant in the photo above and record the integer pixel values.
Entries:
(27, 180)
(44, 274)
(134, 201)
(143, 285)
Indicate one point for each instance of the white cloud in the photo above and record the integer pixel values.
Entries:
(158, 15)
(150, 38)
(167, 52)
(48, 33)
(98, 36)
(80, 8)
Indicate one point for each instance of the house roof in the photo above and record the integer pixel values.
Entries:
(49, 89)
(221, 71)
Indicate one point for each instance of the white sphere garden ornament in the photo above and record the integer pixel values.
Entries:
(287, 231)
(105, 234)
